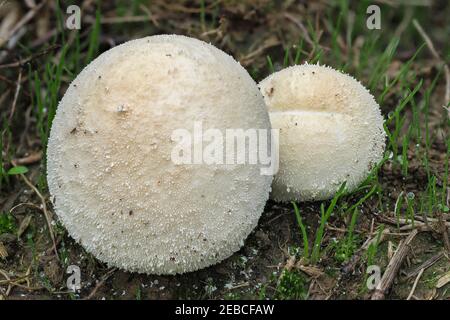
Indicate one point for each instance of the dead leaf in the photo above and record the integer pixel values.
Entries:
(290, 263)
(9, 15)
(391, 251)
(24, 225)
(443, 280)
(311, 271)
(3, 252)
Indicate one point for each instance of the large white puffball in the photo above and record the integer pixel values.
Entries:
(331, 131)
(110, 172)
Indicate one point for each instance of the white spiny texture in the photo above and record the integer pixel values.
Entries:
(331, 131)
(110, 173)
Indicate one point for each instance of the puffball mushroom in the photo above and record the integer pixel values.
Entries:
(331, 131)
(110, 172)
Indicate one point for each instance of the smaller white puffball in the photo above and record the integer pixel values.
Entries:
(331, 131)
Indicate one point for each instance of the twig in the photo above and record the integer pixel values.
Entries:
(344, 230)
(17, 282)
(25, 204)
(44, 209)
(22, 22)
(268, 223)
(445, 216)
(393, 267)
(18, 279)
(27, 274)
(415, 284)
(433, 51)
(126, 19)
(16, 96)
(270, 42)
(300, 25)
(30, 159)
(426, 39)
(408, 224)
(13, 84)
(5, 274)
(8, 81)
(21, 62)
(420, 226)
(405, 22)
(100, 283)
(240, 285)
(149, 14)
(425, 265)
(181, 8)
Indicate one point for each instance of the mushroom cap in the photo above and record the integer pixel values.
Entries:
(109, 165)
(331, 131)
